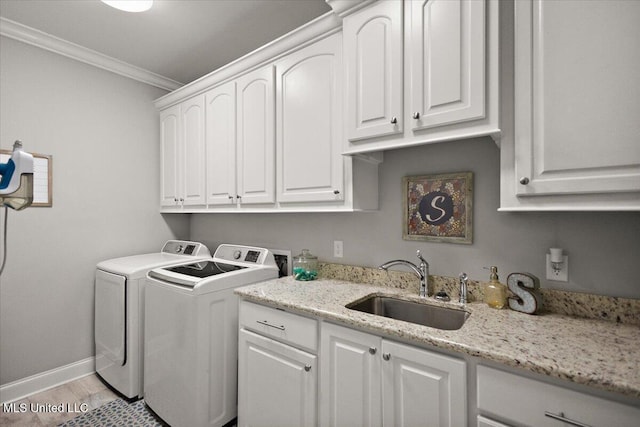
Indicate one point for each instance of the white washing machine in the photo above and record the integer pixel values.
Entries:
(191, 335)
(119, 312)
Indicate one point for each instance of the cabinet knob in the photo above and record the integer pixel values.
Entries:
(181, 199)
(238, 196)
(386, 356)
(394, 120)
(307, 368)
(524, 180)
(230, 198)
(372, 350)
(416, 115)
(336, 191)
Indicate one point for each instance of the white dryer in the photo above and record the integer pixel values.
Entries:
(191, 335)
(119, 312)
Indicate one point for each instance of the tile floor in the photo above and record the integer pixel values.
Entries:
(87, 390)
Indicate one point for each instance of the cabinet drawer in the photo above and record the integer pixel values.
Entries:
(280, 325)
(515, 399)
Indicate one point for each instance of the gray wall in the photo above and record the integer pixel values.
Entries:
(603, 248)
(102, 130)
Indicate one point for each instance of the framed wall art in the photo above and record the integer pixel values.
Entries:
(438, 208)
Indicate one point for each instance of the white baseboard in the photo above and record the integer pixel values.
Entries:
(45, 380)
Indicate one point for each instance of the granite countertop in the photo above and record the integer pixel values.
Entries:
(595, 353)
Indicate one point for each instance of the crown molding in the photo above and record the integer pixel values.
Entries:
(22, 33)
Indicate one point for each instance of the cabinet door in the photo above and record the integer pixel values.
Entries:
(350, 378)
(373, 45)
(276, 383)
(447, 62)
(255, 143)
(310, 166)
(577, 97)
(192, 163)
(221, 144)
(169, 142)
(421, 388)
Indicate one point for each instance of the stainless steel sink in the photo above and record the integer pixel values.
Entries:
(433, 316)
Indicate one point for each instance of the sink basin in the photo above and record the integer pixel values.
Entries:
(433, 316)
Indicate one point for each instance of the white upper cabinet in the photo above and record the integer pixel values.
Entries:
(575, 144)
(310, 166)
(182, 153)
(421, 71)
(373, 41)
(169, 141)
(240, 141)
(447, 62)
(256, 140)
(221, 144)
(193, 157)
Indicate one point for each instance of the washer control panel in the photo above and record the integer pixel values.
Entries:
(183, 247)
(244, 254)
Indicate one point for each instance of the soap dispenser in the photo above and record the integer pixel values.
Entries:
(495, 293)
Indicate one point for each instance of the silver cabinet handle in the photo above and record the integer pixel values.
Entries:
(307, 368)
(562, 418)
(266, 323)
(336, 191)
(372, 350)
(416, 115)
(524, 180)
(394, 120)
(386, 356)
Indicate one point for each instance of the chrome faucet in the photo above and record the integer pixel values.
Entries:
(463, 287)
(422, 272)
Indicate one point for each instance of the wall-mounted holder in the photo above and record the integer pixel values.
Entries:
(557, 265)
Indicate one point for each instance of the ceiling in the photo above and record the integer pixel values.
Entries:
(178, 39)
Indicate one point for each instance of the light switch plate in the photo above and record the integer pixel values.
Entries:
(562, 275)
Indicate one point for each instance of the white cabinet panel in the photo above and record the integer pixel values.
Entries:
(537, 404)
(240, 141)
(576, 105)
(447, 62)
(351, 381)
(422, 388)
(182, 154)
(370, 381)
(256, 144)
(373, 41)
(192, 147)
(308, 134)
(169, 142)
(277, 383)
(221, 144)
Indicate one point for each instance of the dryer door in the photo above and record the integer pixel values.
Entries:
(110, 321)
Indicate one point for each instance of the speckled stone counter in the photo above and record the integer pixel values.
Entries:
(596, 353)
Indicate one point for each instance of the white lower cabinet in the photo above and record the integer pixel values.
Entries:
(351, 382)
(277, 382)
(370, 381)
(522, 401)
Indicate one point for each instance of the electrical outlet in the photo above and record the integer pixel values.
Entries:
(337, 249)
(560, 275)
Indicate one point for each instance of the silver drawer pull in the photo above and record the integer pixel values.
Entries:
(265, 323)
(562, 418)
(307, 368)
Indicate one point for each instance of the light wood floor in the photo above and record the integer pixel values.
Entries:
(84, 393)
